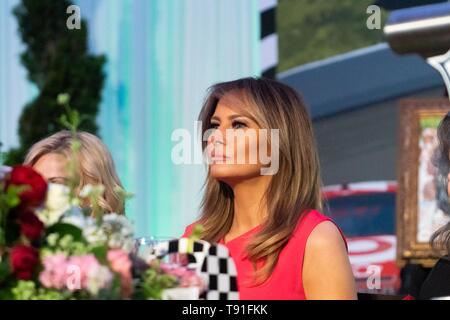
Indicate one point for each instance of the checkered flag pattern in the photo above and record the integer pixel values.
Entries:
(212, 261)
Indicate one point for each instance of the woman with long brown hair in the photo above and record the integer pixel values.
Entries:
(267, 212)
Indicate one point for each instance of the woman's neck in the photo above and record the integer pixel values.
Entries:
(250, 207)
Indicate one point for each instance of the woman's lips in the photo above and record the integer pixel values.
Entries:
(219, 160)
(216, 156)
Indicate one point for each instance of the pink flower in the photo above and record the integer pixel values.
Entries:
(191, 279)
(88, 273)
(74, 273)
(121, 264)
(54, 273)
(186, 277)
(80, 267)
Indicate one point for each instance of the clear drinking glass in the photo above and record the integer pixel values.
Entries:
(145, 246)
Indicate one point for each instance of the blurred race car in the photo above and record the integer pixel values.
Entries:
(365, 211)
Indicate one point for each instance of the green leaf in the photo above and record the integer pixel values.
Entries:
(12, 195)
(100, 252)
(63, 98)
(64, 122)
(6, 294)
(12, 232)
(2, 237)
(12, 201)
(5, 269)
(195, 235)
(197, 232)
(63, 229)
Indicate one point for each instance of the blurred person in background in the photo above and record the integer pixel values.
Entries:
(50, 157)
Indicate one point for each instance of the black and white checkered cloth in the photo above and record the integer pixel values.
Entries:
(212, 262)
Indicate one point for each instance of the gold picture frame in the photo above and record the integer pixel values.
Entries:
(417, 216)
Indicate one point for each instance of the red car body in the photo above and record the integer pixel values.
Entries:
(365, 211)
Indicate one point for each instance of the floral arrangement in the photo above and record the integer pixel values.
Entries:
(51, 247)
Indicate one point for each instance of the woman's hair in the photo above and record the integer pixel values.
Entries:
(96, 165)
(293, 190)
(441, 159)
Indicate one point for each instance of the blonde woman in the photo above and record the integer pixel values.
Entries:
(283, 247)
(50, 158)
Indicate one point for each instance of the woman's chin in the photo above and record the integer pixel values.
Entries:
(230, 172)
(221, 171)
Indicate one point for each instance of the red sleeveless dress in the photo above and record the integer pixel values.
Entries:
(285, 282)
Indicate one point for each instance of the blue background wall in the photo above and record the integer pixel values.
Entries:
(162, 56)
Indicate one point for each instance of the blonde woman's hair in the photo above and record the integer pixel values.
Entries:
(293, 190)
(96, 165)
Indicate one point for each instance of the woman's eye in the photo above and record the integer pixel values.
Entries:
(213, 125)
(62, 181)
(239, 125)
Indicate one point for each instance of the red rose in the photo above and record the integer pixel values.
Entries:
(36, 186)
(24, 260)
(30, 225)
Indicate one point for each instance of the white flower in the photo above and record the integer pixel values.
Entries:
(76, 217)
(99, 277)
(56, 204)
(191, 293)
(119, 231)
(94, 235)
(77, 221)
(114, 222)
(91, 231)
(86, 191)
(114, 230)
